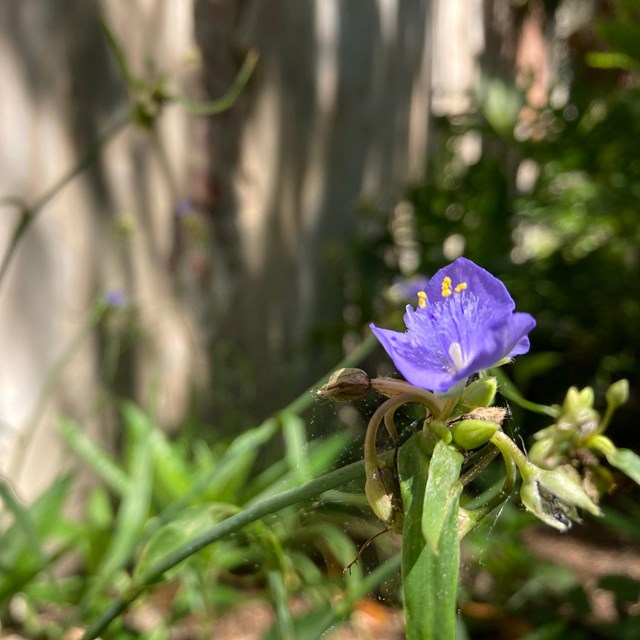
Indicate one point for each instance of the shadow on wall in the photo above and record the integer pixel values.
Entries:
(325, 125)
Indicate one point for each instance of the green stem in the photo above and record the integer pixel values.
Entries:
(509, 450)
(371, 459)
(30, 214)
(52, 379)
(227, 527)
(470, 517)
(390, 425)
(448, 407)
(606, 419)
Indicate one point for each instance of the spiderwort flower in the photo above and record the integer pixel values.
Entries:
(464, 323)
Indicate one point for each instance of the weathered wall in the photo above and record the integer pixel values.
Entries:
(60, 90)
(337, 113)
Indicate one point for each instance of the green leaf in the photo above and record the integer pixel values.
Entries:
(101, 463)
(134, 508)
(443, 490)
(430, 580)
(25, 526)
(233, 470)
(295, 440)
(190, 523)
(18, 563)
(626, 461)
(172, 478)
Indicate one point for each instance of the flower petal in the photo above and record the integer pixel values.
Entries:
(466, 324)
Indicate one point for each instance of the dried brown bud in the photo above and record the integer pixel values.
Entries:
(345, 385)
(491, 414)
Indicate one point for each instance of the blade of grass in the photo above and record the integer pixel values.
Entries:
(100, 462)
(131, 516)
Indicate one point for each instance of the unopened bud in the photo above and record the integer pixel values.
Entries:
(471, 434)
(480, 393)
(441, 430)
(345, 385)
(618, 393)
(576, 400)
(543, 453)
(383, 495)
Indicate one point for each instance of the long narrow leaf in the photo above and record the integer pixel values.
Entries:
(429, 579)
(100, 462)
(131, 517)
(295, 441)
(441, 492)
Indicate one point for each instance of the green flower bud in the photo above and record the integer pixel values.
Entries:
(440, 429)
(383, 496)
(576, 400)
(571, 400)
(480, 393)
(345, 385)
(543, 453)
(586, 398)
(618, 394)
(471, 434)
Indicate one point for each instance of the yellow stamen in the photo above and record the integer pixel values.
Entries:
(460, 287)
(446, 287)
(422, 299)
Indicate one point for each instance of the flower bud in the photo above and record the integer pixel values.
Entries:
(618, 393)
(543, 452)
(383, 495)
(480, 393)
(440, 429)
(586, 397)
(576, 400)
(471, 434)
(345, 385)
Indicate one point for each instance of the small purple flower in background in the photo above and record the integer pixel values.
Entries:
(404, 289)
(182, 208)
(464, 323)
(116, 299)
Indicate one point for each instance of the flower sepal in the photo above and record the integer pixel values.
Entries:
(554, 496)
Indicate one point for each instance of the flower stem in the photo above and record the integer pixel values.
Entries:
(371, 459)
(510, 451)
(392, 387)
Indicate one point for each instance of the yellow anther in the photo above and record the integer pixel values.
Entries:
(446, 287)
(460, 287)
(422, 299)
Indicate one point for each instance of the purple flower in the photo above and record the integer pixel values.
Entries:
(116, 299)
(464, 323)
(182, 208)
(404, 289)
